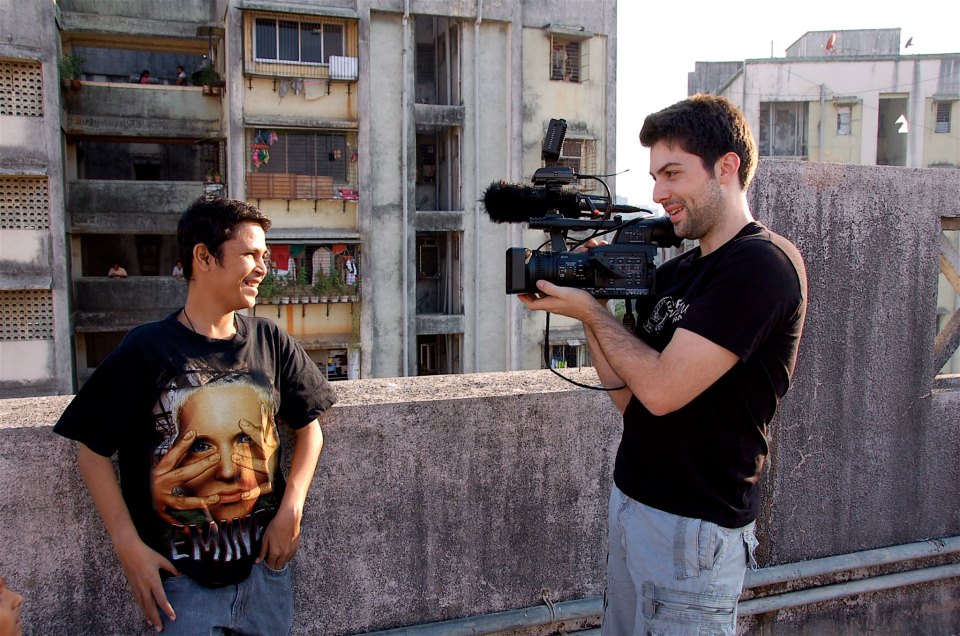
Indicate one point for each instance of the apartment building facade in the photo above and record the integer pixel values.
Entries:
(366, 130)
(856, 97)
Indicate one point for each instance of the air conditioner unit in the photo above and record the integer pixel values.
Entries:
(343, 68)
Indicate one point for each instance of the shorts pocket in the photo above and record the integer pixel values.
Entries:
(697, 545)
(751, 544)
(271, 571)
(668, 611)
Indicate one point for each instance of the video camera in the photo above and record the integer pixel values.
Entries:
(623, 268)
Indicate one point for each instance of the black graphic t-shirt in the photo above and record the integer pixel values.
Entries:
(704, 460)
(193, 421)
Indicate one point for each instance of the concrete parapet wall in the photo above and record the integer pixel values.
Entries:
(859, 453)
(456, 496)
(434, 498)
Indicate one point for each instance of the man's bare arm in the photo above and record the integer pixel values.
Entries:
(282, 536)
(664, 381)
(141, 565)
(608, 377)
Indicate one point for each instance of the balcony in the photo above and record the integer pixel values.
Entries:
(105, 304)
(138, 110)
(95, 206)
(176, 19)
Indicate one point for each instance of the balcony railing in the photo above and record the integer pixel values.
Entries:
(120, 206)
(296, 186)
(105, 304)
(139, 110)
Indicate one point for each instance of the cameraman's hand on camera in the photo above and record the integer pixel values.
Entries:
(592, 243)
(566, 301)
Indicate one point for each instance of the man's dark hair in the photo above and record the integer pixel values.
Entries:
(708, 126)
(213, 221)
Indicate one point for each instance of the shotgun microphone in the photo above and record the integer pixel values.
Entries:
(514, 203)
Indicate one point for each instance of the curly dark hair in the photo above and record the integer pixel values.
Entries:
(213, 221)
(708, 126)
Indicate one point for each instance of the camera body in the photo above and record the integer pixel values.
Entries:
(623, 268)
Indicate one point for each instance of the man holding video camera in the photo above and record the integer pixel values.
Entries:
(697, 381)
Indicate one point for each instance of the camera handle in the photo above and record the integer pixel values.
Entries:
(629, 320)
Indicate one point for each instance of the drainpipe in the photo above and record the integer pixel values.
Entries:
(404, 184)
(820, 127)
(476, 185)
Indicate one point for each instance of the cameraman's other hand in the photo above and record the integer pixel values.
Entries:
(566, 301)
(591, 244)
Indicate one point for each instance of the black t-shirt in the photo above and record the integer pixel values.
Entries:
(704, 459)
(193, 423)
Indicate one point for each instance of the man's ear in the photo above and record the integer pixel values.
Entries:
(728, 168)
(201, 257)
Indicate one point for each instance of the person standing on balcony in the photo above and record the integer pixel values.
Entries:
(117, 271)
(349, 270)
(202, 519)
(145, 77)
(697, 381)
(181, 76)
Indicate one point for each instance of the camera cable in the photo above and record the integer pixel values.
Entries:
(546, 361)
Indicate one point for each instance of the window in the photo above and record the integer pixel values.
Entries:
(843, 120)
(580, 155)
(943, 117)
(568, 60)
(569, 355)
(315, 154)
(297, 42)
(439, 287)
(783, 129)
(439, 354)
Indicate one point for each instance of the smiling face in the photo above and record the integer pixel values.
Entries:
(214, 414)
(231, 281)
(689, 193)
(10, 606)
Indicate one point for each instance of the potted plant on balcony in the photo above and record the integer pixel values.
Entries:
(267, 288)
(283, 289)
(213, 175)
(301, 288)
(209, 79)
(71, 68)
(340, 289)
(322, 287)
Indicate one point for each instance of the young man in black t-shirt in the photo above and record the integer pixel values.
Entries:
(202, 519)
(699, 380)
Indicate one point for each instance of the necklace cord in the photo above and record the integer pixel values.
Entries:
(190, 322)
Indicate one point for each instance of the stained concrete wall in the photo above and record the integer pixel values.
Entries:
(456, 496)
(434, 498)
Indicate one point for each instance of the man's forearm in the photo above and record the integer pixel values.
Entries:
(101, 480)
(306, 453)
(608, 377)
(626, 359)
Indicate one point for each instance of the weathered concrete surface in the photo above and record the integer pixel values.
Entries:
(456, 496)
(434, 498)
(859, 459)
(116, 206)
(141, 111)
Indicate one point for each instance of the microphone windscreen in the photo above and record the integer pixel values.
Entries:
(513, 203)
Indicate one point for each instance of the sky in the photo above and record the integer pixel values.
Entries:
(658, 44)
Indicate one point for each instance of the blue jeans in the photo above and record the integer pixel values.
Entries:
(668, 574)
(261, 604)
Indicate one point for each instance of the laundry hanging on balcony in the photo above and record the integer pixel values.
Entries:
(260, 153)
